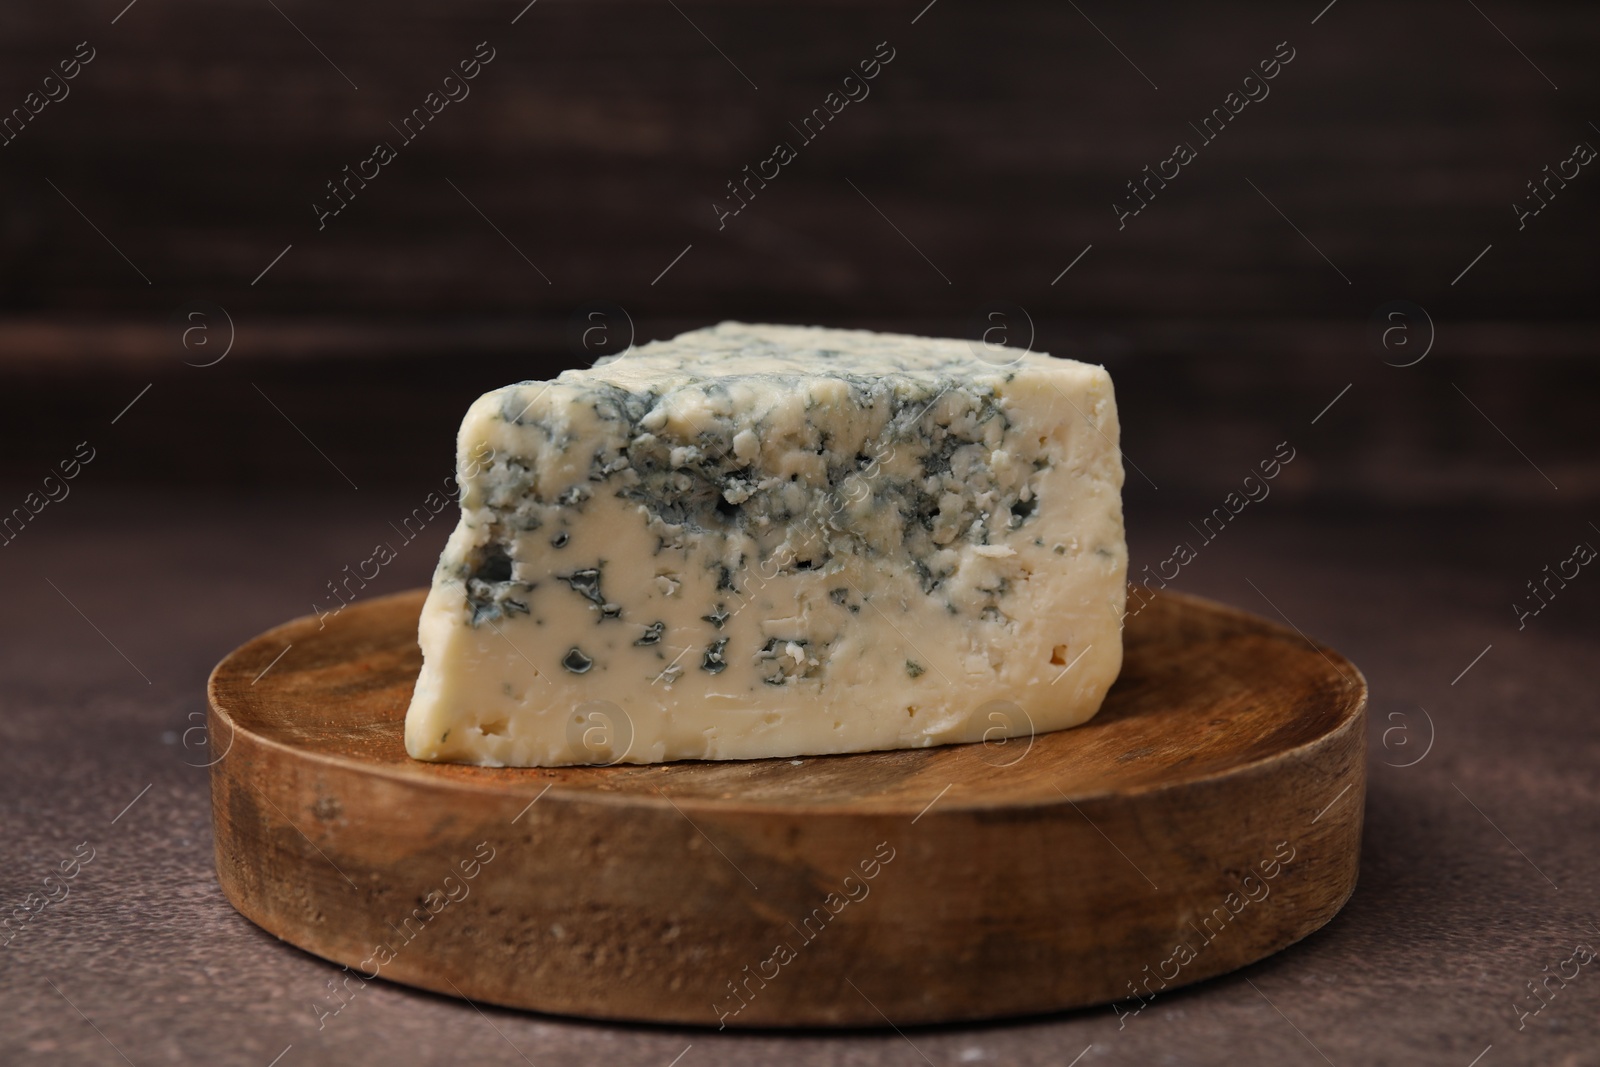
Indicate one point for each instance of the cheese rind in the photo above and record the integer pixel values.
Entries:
(760, 541)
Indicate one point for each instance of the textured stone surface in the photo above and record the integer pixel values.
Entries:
(1449, 922)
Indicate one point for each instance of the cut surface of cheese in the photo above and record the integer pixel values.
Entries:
(762, 541)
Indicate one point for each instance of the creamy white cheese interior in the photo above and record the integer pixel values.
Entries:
(761, 541)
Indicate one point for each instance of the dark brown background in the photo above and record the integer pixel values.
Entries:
(1417, 509)
(997, 140)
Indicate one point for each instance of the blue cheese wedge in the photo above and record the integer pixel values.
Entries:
(763, 541)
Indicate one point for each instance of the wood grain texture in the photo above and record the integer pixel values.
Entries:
(601, 136)
(1004, 880)
(1406, 437)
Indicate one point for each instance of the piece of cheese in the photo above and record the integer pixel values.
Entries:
(760, 541)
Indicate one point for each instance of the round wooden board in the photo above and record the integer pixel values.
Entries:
(1208, 816)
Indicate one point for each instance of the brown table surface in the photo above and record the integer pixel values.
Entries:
(1479, 873)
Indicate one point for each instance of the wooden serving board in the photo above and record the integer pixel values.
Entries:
(1209, 816)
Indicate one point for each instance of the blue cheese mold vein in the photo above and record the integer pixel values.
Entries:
(760, 541)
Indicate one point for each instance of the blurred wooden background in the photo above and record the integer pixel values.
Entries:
(986, 158)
